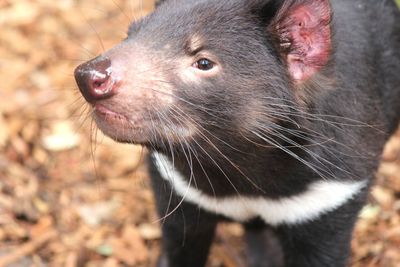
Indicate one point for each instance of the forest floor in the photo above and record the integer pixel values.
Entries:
(69, 199)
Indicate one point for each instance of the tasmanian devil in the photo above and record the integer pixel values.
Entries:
(265, 112)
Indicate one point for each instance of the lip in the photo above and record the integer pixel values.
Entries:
(118, 127)
(121, 129)
(109, 116)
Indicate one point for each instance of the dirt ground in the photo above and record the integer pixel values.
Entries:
(71, 197)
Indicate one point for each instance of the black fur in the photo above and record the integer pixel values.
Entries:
(262, 134)
(366, 89)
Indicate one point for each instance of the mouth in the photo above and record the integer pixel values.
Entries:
(109, 115)
(116, 125)
(122, 129)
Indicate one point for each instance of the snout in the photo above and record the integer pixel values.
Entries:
(95, 79)
(129, 93)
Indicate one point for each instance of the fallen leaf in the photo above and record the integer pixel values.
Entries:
(62, 137)
(94, 214)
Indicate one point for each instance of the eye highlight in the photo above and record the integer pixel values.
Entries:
(204, 64)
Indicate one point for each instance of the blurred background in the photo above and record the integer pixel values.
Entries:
(70, 196)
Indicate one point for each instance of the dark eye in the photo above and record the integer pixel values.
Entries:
(204, 64)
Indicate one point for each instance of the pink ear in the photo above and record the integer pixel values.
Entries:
(303, 31)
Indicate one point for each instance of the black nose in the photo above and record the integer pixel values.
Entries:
(94, 79)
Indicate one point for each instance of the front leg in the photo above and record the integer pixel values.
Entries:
(322, 242)
(263, 247)
(187, 237)
(187, 232)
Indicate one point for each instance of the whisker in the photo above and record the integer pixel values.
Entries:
(196, 156)
(205, 138)
(314, 155)
(289, 152)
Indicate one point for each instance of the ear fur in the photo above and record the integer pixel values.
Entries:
(302, 33)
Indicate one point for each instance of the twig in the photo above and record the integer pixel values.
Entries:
(27, 248)
(72, 260)
(227, 258)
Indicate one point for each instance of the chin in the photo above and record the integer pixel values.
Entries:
(120, 130)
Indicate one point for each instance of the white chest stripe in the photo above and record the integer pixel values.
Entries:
(321, 197)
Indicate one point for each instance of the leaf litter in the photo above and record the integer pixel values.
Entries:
(70, 199)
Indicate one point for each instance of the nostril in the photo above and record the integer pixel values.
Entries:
(94, 79)
(98, 83)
